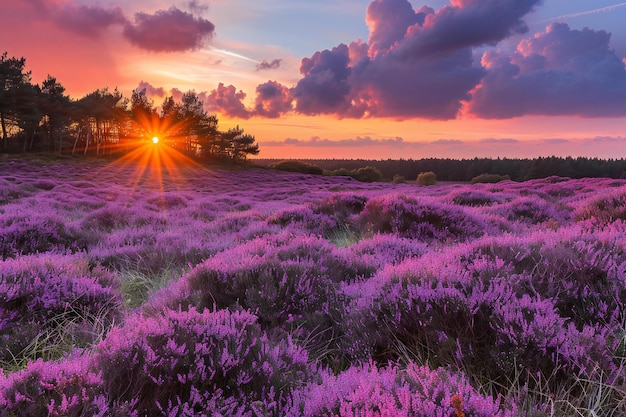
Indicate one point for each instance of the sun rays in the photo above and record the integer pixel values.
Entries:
(154, 160)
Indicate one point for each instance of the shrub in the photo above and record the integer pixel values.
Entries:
(426, 220)
(532, 210)
(427, 178)
(398, 179)
(474, 198)
(32, 233)
(489, 178)
(192, 363)
(604, 210)
(297, 166)
(290, 283)
(365, 390)
(49, 305)
(69, 388)
(367, 174)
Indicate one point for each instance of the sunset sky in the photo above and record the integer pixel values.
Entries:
(353, 78)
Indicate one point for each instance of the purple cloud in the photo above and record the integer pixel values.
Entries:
(417, 63)
(324, 87)
(272, 99)
(265, 65)
(168, 31)
(558, 72)
(359, 141)
(89, 21)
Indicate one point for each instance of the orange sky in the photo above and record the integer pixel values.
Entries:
(87, 46)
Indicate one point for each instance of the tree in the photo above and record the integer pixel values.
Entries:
(200, 128)
(56, 106)
(12, 78)
(99, 115)
(29, 113)
(239, 144)
(146, 121)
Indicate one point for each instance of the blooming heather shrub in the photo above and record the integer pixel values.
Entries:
(10, 193)
(291, 283)
(474, 198)
(32, 233)
(65, 389)
(366, 390)
(53, 298)
(341, 206)
(210, 363)
(532, 210)
(604, 210)
(168, 201)
(583, 274)
(304, 217)
(107, 219)
(424, 220)
(467, 310)
(381, 250)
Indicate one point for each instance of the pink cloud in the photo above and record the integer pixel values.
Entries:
(227, 101)
(168, 30)
(558, 72)
(151, 91)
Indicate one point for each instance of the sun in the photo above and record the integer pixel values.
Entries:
(155, 140)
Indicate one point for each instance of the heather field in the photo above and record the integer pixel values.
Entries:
(129, 289)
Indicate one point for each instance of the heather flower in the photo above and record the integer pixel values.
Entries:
(205, 362)
(393, 391)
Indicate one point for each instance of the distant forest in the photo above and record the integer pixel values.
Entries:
(43, 118)
(466, 169)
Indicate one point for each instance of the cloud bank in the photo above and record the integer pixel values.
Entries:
(424, 63)
(558, 72)
(429, 64)
(168, 30)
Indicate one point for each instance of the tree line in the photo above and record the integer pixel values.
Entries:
(42, 117)
(466, 169)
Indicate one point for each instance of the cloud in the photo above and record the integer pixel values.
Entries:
(499, 140)
(168, 31)
(197, 7)
(416, 63)
(324, 87)
(556, 141)
(558, 72)
(447, 142)
(264, 65)
(151, 91)
(88, 21)
(227, 101)
(359, 141)
(272, 100)
(164, 31)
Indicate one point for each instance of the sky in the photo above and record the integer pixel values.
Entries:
(353, 78)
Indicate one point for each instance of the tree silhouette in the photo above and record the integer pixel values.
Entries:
(12, 78)
(55, 105)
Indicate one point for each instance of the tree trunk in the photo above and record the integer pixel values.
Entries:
(4, 131)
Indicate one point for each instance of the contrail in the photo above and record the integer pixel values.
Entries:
(233, 54)
(588, 12)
